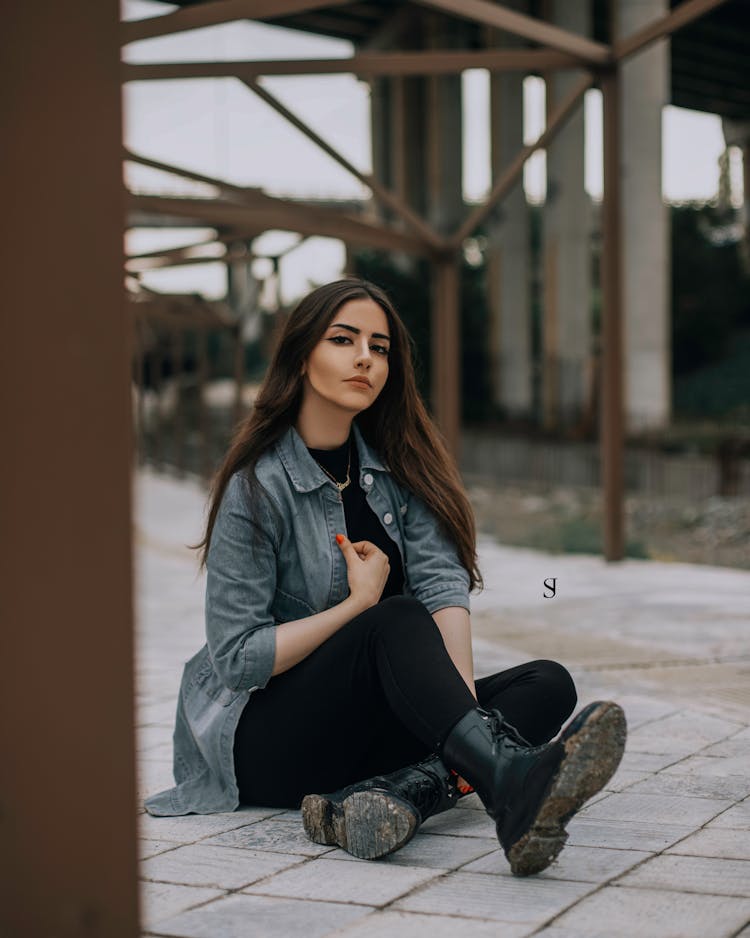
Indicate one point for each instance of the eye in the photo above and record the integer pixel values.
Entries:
(383, 350)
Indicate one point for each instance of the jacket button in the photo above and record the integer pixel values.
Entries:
(368, 479)
(387, 517)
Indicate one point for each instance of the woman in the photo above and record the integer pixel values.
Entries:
(340, 550)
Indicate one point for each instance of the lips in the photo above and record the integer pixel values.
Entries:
(362, 381)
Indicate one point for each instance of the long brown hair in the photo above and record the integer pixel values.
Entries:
(397, 425)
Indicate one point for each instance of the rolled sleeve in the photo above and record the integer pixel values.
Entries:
(436, 576)
(240, 587)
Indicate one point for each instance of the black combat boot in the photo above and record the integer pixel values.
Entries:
(372, 818)
(531, 792)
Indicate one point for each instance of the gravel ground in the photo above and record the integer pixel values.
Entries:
(559, 519)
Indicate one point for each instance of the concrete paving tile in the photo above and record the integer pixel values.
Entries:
(415, 925)
(344, 881)
(473, 802)
(737, 817)
(715, 842)
(241, 916)
(154, 776)
(640, 710)
(682, 732)
(710, 765)
(734, 748)
(160, 901)
(731, 788)
(579, 864)
(150, 848)
(279, 836)
(501, 898)
(717, 877)
(159, 713)
(659, 809)
(154, 737)
(621, 912)
(646, 761)
(191, 827)
(625, 778)
(461, 823)
(624, 835)
(218, 867)
(436, 851)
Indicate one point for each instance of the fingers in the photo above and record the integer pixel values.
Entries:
(365, 548)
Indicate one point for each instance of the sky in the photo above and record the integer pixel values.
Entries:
(219, 128)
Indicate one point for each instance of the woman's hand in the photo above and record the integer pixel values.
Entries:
(367, 569)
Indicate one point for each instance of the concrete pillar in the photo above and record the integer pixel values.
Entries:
(416, 131)
(566, 330)
(737, 134)
(243, 292)
(418, 152)
(646, 256)
(508, 253)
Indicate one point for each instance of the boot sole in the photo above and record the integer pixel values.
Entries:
(367, 824)
(592, 755)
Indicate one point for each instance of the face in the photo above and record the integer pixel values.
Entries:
(356, 343)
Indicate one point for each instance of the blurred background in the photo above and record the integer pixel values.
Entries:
(209, 299)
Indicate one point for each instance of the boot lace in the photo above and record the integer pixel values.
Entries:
(424, 794)
(500, 726)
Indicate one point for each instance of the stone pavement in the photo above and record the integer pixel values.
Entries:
(663, 851)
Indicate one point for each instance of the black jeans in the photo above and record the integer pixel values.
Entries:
(379, 694)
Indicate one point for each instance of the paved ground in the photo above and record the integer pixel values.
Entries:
(664, 851)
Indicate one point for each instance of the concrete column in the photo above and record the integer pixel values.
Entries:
(508, 254)
(243, 293)
(646, 256)
(737, 134)
(566, 331)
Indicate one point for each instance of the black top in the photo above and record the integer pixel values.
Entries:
(362, 524)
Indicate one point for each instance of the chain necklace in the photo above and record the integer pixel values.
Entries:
(340, 485)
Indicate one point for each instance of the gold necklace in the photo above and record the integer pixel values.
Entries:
(340, 485)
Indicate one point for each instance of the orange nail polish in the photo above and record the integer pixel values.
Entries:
(339, 538)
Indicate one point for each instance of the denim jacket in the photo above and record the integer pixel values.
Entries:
(292, 570)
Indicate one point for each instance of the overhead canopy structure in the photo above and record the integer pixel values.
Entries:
(708, 71)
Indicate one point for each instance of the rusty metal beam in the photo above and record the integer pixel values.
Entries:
(219, 11)
(364, 64)
(445, 336)
(381, 192)
(67, 720)
(495, 14)
(174, 253)
(510, 176)
(663, 27)
(245, 195)
(611, 434)
(184, 252)
(161, 263)
(286, 215)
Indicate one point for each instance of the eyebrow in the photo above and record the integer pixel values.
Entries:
(356, 331)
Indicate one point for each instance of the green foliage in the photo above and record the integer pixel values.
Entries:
(410, 290)
(577, 535)
(720, 388)
(710, 298)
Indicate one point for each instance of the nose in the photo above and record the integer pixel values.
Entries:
(364, 356)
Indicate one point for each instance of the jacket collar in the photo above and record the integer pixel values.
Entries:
(302, 469)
